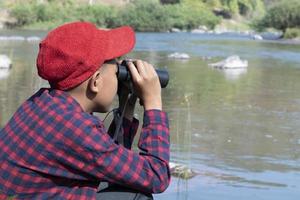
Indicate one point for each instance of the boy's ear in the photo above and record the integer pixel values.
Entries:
(95, 82)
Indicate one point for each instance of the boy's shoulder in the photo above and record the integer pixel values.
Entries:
(53, 116)
(60, 107)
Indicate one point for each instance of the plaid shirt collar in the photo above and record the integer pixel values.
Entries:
(60, 97)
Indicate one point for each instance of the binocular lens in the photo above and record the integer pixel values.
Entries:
(124, 74)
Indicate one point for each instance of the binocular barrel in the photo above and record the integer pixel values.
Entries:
(124, 75)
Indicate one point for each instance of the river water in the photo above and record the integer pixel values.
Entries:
(238, 129)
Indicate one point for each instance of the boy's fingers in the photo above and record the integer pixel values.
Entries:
(148, 69)
(140, 65)
(134, 72)
(151, 68)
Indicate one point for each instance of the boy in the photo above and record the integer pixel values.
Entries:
(54, 148)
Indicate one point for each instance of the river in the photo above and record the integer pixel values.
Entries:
(238, 129)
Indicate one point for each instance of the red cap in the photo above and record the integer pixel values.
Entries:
(71, 53)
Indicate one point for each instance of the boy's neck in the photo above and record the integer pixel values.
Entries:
(81, 99)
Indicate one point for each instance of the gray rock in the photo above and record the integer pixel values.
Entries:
(5, 62)
(257, 37)
(177, 55)
(181, 171)
(175, 30)
(4, 72)
(232, 62)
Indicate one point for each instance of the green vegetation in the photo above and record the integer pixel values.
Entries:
(143, 15)
(237, 8)
(284, 16)
(191, 14)
(35, 13)
(291, 33)
(163, 15)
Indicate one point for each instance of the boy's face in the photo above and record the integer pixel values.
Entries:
(107, 88)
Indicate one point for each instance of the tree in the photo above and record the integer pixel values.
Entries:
(281, 16)
(243, 7)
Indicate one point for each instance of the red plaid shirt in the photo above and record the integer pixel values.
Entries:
(52, 149)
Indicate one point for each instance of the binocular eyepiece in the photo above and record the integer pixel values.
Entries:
(125, 76)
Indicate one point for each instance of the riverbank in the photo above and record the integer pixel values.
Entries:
(11, 35)
(152, 17)
(241, 26)
(295, 41)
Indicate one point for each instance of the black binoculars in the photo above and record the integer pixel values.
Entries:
(124, 74)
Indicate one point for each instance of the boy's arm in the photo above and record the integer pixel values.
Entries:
(149, 170)
(104, 160)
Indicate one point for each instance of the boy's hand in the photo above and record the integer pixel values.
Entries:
(146, 84)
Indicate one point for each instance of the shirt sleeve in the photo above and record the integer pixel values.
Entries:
(104, 160)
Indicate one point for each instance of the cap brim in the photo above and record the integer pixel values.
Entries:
(120, 42)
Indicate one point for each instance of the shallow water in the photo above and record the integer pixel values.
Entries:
(238, 129)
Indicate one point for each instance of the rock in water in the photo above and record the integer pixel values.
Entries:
(33, 39)
(181, 171)
(4, 73)
(175, 30)
(257, 37)
(231, 62)
(5, 62)
(177, 55)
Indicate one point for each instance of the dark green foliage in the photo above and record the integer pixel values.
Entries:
(191, 15)
(235, 8)
(145, 15)
(245, 7)
(169, 1)
(283, 15)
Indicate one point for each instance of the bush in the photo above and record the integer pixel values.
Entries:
(259, 9)
(150, 15)
(31, 13)
(292, 33)
(142, 15)
(190, 15)
(24, 14)
(247, 8)
(233, 7)
(283, 15)
(145, 15)
(101, 15)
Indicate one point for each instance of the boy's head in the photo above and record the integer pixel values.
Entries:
(71, 53)
(73, 57)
